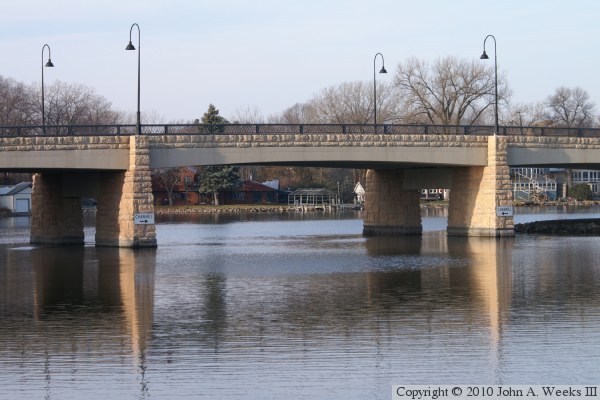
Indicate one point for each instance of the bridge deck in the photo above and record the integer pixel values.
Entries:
(106, 147)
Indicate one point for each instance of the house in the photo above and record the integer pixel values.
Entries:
(252, 192)
(181, 182)
(533, 184)
(16, 199)
(359, 192)
(587, 177)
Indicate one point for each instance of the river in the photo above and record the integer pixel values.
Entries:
(295, 306)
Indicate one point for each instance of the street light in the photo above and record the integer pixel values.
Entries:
(48, 64)
(484, 56)
(382, 71)
(131, 47)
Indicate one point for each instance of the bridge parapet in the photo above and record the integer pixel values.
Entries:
(553, 142)
(51, 143)
(314, 140)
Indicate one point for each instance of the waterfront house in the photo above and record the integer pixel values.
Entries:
(252, 192)
(17, 198)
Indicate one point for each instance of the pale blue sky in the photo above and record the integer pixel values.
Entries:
(271, 54)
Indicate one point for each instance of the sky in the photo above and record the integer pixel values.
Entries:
(267, 55)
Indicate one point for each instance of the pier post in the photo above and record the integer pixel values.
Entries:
(123, 195)
(389, 209)
(476, 194)
(55, 218)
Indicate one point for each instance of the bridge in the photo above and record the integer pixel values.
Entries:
(113, 164)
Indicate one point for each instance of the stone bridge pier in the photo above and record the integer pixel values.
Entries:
(57, 215)
(392, 206)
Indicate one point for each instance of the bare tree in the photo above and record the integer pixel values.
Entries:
(525, 115)
(73, 104)
(167, 178)
(570, 107)
(16, 107)
(299, 113)
(449, 91)
(352, 103)
(248, 115)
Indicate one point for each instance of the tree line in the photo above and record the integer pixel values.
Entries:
(447, 91)
(66, 104)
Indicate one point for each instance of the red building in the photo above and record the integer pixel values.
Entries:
(182, 182)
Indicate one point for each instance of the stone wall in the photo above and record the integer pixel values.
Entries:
(44, 143)
(552, 142)
(314, 140)
(48, 143)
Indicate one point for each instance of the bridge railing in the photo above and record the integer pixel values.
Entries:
(290, 129)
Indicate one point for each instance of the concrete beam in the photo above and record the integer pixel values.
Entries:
(543, 156)
(338, 156)
(101, 159)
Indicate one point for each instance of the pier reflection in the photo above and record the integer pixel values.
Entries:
(472, 273)
(78, 301)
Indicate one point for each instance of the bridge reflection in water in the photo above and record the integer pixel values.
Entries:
(485, 282)
(424, 303)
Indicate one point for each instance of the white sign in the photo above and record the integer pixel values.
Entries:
(143, 219)
(504, 211)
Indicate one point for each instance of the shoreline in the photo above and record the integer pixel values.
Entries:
(561, 227)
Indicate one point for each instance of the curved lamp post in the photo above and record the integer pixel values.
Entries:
(382, 71)
(131, 47)
(484, 56)
(48, 64)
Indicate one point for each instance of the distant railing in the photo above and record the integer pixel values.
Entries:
(289, 129)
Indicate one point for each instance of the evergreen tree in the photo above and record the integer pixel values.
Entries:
(581, 192)
(211, 121)
(216, 178)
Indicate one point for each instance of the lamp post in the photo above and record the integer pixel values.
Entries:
(382, 71)
(484, 56)
(48, 64)
(131, 47)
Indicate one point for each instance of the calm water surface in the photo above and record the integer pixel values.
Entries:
(277, 307)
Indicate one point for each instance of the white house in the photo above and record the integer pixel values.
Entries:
(16, 199)
(359, 191)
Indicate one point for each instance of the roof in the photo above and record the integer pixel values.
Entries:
(359, 189)
(12, 190)
(313, 192)
(251, 186)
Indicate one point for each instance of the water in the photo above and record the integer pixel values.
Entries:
(293, 306)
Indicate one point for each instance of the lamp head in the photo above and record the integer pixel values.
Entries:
(130, 46)
(49, 63)
(383, 71)
(484, 56)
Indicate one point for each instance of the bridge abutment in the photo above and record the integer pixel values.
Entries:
(477, 192)
(389, 209)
